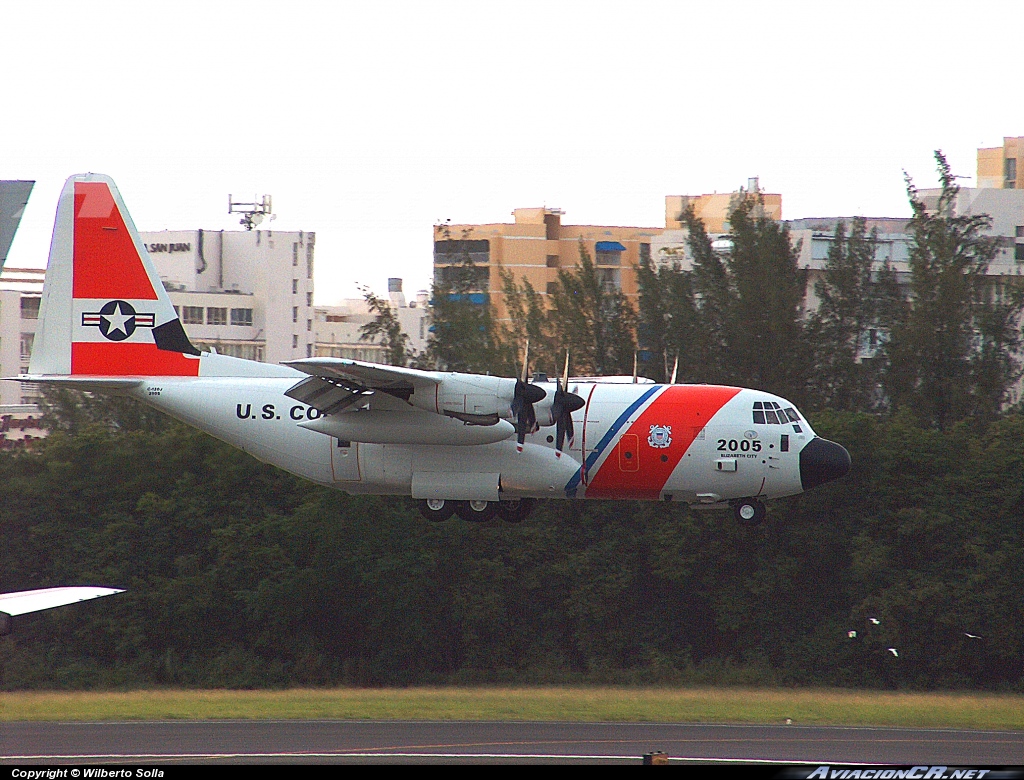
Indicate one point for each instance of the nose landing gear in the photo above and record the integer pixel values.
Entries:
(749, 511)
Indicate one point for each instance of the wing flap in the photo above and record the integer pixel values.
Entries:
(394, 380)
(335, 384)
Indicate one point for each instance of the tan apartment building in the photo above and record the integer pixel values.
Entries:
(998, 166)
(714, 209)
(537, 244)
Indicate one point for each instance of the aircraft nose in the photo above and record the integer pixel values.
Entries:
(822, 461)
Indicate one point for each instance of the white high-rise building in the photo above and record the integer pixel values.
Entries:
(244, 293)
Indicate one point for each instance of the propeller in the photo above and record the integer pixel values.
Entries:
(562, 407)
(523, 398)
(675, 370)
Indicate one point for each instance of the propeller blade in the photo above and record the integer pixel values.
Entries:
(562, 407)
(563, 431)
(524, 397)
(634, 368)
(675, 370)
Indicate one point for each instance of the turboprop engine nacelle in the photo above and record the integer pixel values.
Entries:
(482, 400)
(545, 409)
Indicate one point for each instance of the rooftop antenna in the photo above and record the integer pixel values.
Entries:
(253, 212)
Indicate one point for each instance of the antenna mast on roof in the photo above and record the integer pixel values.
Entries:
(252, 213)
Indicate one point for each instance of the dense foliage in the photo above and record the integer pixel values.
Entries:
(240, 575)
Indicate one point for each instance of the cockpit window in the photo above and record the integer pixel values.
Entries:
(770, 413)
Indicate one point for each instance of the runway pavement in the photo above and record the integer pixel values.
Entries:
(394, 742)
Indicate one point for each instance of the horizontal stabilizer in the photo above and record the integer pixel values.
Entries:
(26, 601)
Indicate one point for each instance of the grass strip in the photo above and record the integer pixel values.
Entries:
(708, 705)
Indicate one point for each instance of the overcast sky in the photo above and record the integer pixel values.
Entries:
(370, 122)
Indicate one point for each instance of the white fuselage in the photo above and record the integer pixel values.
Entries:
(692, 443)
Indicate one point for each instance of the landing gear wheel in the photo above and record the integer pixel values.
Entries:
(436, 509)
(476, 511)
(516, 510)
(749, 511)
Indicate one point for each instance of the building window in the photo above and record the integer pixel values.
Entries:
(645, 253)
(216, 315)
(295, 255)
(1020, 231)
(295, 313)
(177, 312)
(1010, 167)
(610, 279)
(309, 261)
(30, 308)
(295, 342)
(452, 251)
(27, 340)
(309, 299)
(309, 325)
(552, 261)
(309, 350)
(1018, 251)
(609, 253)
(295, 286)
(241, 316)
(192, 315)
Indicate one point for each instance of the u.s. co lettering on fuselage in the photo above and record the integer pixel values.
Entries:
(270, 412)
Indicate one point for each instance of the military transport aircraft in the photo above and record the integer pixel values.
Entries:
(26, 601)
(464, 443)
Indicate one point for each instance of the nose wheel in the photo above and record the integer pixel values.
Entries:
(749, 511)
(515, 510)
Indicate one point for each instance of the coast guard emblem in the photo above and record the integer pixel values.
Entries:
(661, 436)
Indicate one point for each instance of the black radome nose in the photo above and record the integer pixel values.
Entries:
(822, 461)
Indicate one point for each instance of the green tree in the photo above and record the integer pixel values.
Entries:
(593, 320)
(527, 322)
(750, 300)
(953, 347)
(461, 331)
(667, 324)
(386, 330)
(840, 329)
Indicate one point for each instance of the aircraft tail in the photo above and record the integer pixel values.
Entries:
(104, 311)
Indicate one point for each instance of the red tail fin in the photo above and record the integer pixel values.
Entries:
(104, 311)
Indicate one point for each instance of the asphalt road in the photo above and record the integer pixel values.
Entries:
(394, 742)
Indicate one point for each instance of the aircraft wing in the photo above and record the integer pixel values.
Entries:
(336, 384)
(46, 598)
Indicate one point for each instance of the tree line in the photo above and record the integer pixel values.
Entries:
(941, 339)
(905, 574)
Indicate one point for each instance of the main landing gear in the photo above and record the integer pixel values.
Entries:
(749, 511)
(512, 511)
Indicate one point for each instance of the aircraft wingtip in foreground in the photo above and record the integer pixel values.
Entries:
(25, 601)
(465, 443)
